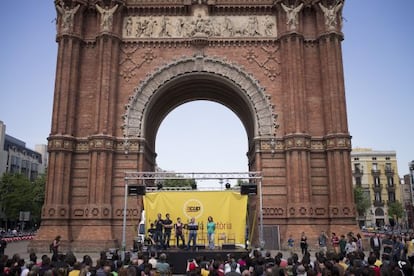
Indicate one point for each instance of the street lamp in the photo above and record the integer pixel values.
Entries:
(261, 240)
(124, 222)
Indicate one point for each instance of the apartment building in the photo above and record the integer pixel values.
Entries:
(376, 173)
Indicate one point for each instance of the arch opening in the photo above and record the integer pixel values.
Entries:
(194, 87)
(202, 136)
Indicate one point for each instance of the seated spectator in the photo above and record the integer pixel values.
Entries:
(162, 267)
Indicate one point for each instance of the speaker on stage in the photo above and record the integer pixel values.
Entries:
(136, 190)
(228, 246)
(248, 189)
(200, 246)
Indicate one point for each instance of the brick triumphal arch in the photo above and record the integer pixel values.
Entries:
(123, 65)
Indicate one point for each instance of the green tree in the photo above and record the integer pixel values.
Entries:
(185, 182)
(18, 194)
(241, 182)
(395, 210)
(38, 198)
(361, 200)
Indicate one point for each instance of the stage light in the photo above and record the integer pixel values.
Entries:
(228, 185)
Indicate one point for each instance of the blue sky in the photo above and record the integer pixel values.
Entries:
(378, 63)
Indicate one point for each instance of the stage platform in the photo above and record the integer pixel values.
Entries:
(178, 258)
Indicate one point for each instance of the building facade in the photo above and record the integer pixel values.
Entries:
(376, 173)
(407, 191)
(15, 157)
(123, 65)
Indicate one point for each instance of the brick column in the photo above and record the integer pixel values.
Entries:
(56, 211)
(99, 228)
(338, 140)
(296, 137)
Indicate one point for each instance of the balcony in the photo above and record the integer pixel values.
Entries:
(390, 188)
(358, 172)
(375, 172)
(377, 188)
(390, 201)
(389, 171)
(378, 203)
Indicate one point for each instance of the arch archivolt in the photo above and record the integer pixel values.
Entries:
(258, 103)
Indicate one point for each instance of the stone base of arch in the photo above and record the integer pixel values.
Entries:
(79, 237)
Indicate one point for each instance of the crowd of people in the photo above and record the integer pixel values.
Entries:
(343, 255)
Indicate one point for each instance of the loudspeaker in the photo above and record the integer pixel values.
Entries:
(200, 246)
(228, 246)
(248, 189)
(136, 190)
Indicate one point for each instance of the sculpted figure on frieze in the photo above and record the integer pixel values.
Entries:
(269, 26)
(253, 26)
(129, 26)
(165, 26)
(211, 26)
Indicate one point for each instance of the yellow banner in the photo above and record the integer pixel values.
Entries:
(227, 208)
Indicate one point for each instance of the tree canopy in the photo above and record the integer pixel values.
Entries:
(362, 200)
(18, 193)
(395, 210)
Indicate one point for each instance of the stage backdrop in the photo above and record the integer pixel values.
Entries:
(227, 208)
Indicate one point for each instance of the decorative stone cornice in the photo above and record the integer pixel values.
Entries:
(135, 144)
(338, 142)
(309, 211)
(297, 142)
(212, 4)
(93, 143)
(61, 143)
(303, 142)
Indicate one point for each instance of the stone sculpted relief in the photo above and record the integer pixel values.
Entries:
(106, 16)
(199, 25)
(67, 15)
(292, 15)
(330, 13)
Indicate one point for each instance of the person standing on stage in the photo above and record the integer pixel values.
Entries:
(179, 233)
(158, 231)
(192, 233)
(211, 228)
(167, 223)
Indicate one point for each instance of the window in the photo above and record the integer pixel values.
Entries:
(390, 181)
(377, 181)
(357, 167)
(358, 180)
(391, 197)
(388, 167)
(377, 196)
(374, 158)
(374, 166)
